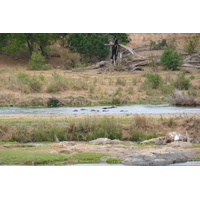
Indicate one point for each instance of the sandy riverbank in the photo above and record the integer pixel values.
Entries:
(62, 116)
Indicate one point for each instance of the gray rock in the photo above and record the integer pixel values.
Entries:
(157, 159)
(105, 141)
(159, 141)
(116, 141)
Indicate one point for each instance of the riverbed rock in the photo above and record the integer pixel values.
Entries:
(158, 141)
(116, 141)
(100, 141)
(174, 136)
(158, 159)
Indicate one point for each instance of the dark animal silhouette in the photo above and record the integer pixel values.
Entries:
(115, 50)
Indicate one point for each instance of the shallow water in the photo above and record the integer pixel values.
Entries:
(189, 163)
(98, 164)
(130, 109)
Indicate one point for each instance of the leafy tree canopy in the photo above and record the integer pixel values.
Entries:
(93, 44)
(13, 42)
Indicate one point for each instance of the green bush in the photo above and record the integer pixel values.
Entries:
(171, 59)
(191, 45)
(37, 61)
(181, 82)
(153, 81)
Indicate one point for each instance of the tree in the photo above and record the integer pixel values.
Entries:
(171, 59)
(92, 45)
(44, 40)
(13, 42)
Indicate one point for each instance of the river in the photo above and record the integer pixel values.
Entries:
(128, 109)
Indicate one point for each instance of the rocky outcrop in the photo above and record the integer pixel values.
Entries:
(100, 141)
(158, 159)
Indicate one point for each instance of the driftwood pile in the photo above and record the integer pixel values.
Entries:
(192, 61)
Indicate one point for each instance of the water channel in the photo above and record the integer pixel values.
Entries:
(128, 109)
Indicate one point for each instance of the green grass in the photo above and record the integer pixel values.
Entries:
(3, 143)
(19, 157)
(114, 160)
(85, 157)
(197, 158)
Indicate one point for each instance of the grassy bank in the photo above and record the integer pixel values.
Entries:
(35, 156)
(136, 128)
(26, 88)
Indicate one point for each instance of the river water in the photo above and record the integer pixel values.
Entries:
(189, 163)
(129, 109)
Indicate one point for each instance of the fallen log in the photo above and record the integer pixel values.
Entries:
(100, 65)
(190, 65)
(189, 62)
(133, 68)
(191, 57)
(131, 51)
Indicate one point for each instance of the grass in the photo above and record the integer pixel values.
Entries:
(34, 156)
(114, 160)
(197, 158)
(20, 86)
(135, 128)
(19, 157)
(85, 157)
(45, 130)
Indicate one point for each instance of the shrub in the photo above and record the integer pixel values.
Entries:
(182, 82)
(191, 45)
(37, 61)
(181, 99)
(58, 83)
(171, 59)
(153, 81)
(173, 44)
(70, 60)
(153, 63)
(28, 83)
